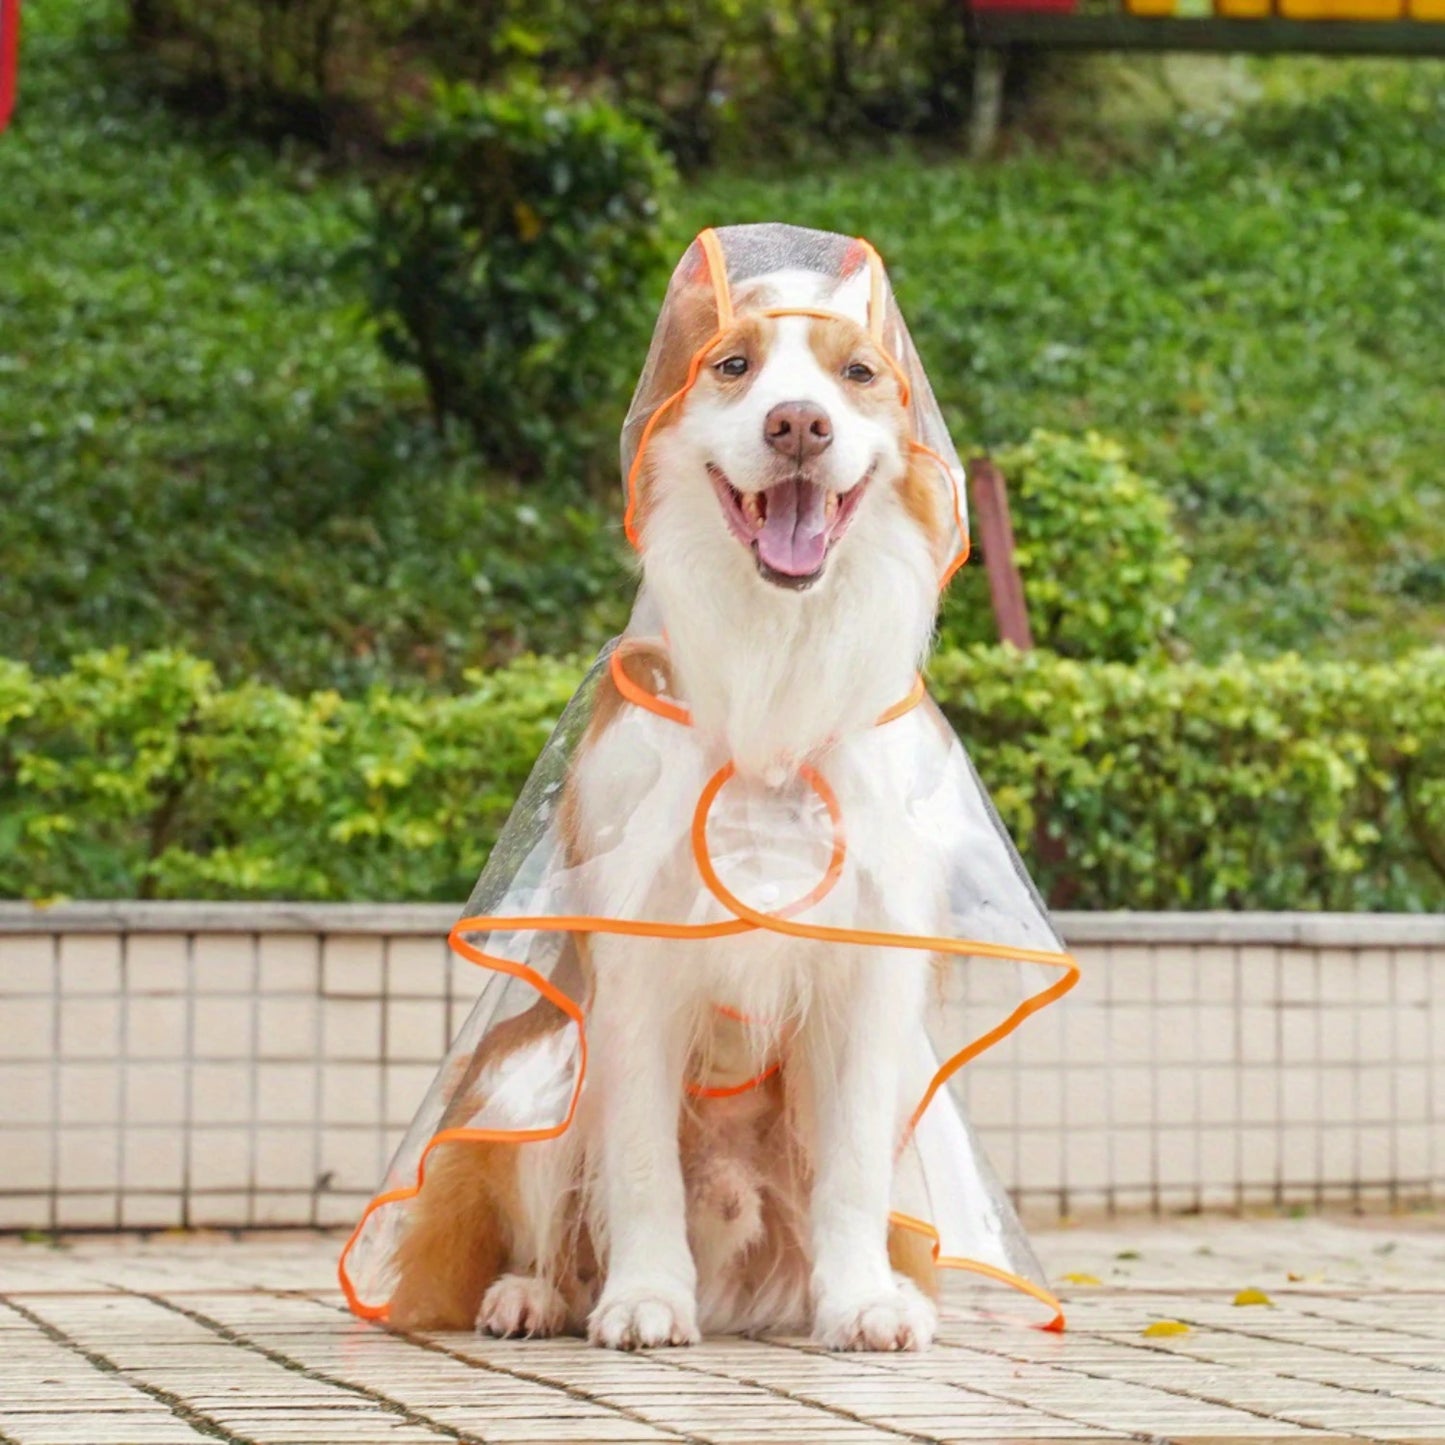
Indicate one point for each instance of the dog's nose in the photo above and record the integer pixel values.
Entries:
(798, 429)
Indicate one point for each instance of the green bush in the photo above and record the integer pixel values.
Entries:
(1281, 784)
(504, 262)
(1102, 566)
(708, 76)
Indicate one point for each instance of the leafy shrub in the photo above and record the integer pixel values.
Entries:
(707, 76)
(1281, 784)
(503, 264)
(1102, 566)
(1274, 784)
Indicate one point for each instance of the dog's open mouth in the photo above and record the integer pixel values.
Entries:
(790, 525)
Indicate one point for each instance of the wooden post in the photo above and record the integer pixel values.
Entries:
(995, 533)
(986, 109)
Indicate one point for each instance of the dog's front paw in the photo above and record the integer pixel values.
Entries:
(901, 1319)
(638, 1319)
(522, 1304)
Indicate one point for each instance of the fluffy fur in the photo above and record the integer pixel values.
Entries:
(660, 1215)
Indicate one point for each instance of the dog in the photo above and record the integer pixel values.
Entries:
(730, 1165)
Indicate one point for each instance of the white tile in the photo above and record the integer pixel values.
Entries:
(26, 1094)
(286, 1093)
(285, 1159)
(1258, 970)
(350, 1093)
(405, 1086)
(1219, 1096)
(225, 963)
(1086, 1159)
(351, 966)
(221, 1093)
(289, 963)
(351, 1029)
(1374, 975)
(84, 1211)
(220, 1159)
(1258, 1031)
(352, 1157)
(27, 963)
(415, 1030)
(153, 1159)
(89, 1093)
(1259, 1156)
(1086, 1096)
(90, 963)
(29, 1157)
(288, 1027)
(88, 1159)
(156, 963)
(1214, 1033)
(155, 1028)
(1131, 974)
(150, 1211)
(1177, 1157)
(1131, 1095)
(155, 1093)
(224, 1028)
(416, 966)
(89, 1027)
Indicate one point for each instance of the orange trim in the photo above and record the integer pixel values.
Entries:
(717, 267)
(966, 545)
(875, 296)
(675, 712)
(639, 696)
(731, 1091)
(905, 704)
(989, 1271)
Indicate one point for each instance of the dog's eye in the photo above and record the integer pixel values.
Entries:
(860, 373)
(733, 366)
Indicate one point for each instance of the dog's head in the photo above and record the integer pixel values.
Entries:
(792, 442)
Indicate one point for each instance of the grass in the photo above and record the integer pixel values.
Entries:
(202, 445)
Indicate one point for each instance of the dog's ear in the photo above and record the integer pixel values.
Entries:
(689, 321)
(922, 489)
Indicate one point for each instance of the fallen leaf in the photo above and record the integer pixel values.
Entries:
(1082, 1279)
(1291, 1276)
(1165, 1327)
(1127, 1254)
(1252, 1297)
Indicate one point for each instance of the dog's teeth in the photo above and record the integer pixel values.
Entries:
(753, 509)
(830, 506)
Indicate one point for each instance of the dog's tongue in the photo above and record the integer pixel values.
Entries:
(794, 538)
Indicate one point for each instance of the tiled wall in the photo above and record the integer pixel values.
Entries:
(178, 1064)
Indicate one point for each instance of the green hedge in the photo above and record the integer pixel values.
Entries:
(1279, 784)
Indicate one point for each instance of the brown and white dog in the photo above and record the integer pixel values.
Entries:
(791, 550)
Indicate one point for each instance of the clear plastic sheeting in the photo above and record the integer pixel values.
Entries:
(810, 860)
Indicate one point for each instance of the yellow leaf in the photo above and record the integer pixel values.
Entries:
(1165, 1327)
(529, 223)
(1081, 1279)
(1252, 1297)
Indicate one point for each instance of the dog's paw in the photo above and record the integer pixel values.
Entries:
(901, 1319)
(521, 1304)
(638, 1319)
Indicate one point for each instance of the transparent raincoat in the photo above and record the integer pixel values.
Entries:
(794, 860)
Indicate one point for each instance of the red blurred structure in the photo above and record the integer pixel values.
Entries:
(9, 57)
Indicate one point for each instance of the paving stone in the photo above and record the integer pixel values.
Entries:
(123, 1340)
